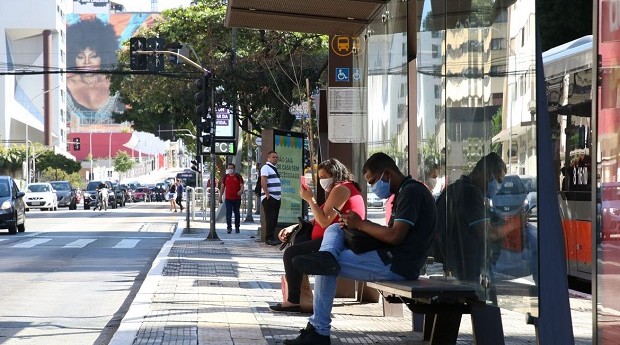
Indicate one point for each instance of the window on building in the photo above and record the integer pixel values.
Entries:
(435, 48)
(437, 92)
(498, 43)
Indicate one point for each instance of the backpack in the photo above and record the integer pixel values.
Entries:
(258, 188)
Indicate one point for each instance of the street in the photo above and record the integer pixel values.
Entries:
(71, 276)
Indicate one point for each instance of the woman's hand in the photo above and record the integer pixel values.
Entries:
(306, 194)
(351, 220)
(286, 232)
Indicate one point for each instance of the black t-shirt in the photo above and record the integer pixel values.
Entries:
(414, 205)
(461, 244)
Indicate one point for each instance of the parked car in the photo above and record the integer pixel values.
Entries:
(529, 182)
(12, 206)
(372, 200)
(90, 194)
(42, 196)
(67, 196)
(510, 208)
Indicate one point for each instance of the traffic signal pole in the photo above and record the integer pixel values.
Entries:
(206, 75)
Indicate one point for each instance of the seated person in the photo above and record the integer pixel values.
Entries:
(461, 239)
(342, 193)
(408, 237)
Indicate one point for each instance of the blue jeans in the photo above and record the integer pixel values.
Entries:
(365, 267)
(232, 206)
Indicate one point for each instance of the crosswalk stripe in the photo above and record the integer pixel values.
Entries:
(31, 243)
(124, 244)
(81, 243)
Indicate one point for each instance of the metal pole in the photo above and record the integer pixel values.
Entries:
(212, 234)
(250, 189)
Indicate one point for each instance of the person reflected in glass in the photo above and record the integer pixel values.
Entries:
(91, 48)
(343, 193)
(468, 241)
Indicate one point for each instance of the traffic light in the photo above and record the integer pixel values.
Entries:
(195, 165)
(137, 62)
(155, 62)
(200, 96)
(76, 144)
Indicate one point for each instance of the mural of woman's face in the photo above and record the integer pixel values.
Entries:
(88, 59)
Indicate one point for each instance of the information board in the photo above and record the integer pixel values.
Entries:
(290, 149)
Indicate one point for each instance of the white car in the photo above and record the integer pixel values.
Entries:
(372, 200)
(42, 196)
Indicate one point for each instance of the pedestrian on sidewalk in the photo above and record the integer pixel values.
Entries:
(343, 193)
(231, 191)
(172, 197)
(402, 248)
(271, 192)
(179, 191)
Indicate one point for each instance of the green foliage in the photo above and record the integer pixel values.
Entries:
(262, 73)
(123, 162)
(51, 174)
(561, 21)
(49, 159)
(11, 159)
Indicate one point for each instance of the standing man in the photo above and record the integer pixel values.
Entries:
(271, 192)
(232, 189)
(180, 190)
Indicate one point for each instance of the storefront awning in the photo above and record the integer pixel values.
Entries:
(331, 17)
(507, 133)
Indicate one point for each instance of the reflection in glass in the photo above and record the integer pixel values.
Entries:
(476, 89)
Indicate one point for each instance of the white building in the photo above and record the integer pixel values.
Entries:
(32, 103)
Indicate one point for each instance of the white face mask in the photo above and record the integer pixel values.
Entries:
(326, 183)
(229, 171)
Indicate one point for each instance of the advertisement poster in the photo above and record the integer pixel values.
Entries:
(290, 149)
(92, 44)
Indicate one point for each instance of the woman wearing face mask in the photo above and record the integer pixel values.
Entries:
(342, 193)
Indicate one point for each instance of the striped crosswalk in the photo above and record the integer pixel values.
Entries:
(73, 243)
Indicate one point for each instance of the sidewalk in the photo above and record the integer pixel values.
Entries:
(218, 292)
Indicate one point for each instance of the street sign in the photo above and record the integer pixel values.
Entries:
(259, 141)
(299, 110)
(226, 147)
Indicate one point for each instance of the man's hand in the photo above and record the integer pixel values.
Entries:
(351, 220)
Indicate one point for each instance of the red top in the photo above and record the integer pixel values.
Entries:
(355, 204)
(232, 185)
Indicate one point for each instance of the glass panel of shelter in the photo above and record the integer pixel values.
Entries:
(475, 90)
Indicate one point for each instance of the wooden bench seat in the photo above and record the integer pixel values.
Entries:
(442, 302)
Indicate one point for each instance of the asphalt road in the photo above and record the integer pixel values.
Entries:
(71, 276)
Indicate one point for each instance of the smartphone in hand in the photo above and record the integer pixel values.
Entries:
(304, 185)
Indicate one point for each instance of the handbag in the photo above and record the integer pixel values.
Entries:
(302, 232)
(360, 242)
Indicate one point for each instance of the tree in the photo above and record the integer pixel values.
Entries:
(243, 71)
(561, 21)
(54, 161)
(123, 162)
(50, 174)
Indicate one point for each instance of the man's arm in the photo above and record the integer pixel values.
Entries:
(389, 234)
(263, 184)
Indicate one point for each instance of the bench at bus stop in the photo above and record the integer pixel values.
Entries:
(442, 303)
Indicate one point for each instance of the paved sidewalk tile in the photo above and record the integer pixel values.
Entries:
(218, 292)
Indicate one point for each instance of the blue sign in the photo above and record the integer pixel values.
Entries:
(342, 74)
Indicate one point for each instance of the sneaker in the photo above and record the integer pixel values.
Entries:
(237, 231)
(309, 336)
(228, 231)
(318, 263)
(273, 242)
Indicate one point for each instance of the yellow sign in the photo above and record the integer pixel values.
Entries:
(346, 45)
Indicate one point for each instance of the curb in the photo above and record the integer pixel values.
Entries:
(131, 322)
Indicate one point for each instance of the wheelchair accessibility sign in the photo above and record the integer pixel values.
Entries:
(342, 74)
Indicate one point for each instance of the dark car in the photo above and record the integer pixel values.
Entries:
(66, 194)
(12, 208)
(529, 182)
(90, 194)
(119, 194)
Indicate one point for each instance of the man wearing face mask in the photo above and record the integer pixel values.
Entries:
(232, 189)
(468, 242)
(407, 237)
(271, 192)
